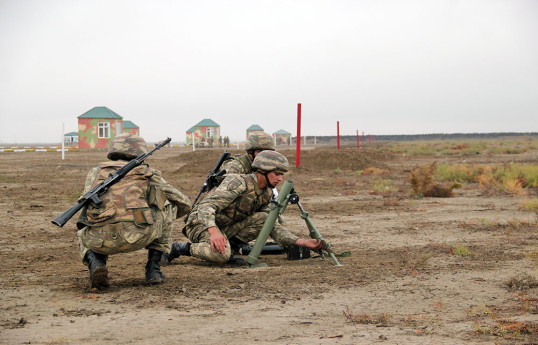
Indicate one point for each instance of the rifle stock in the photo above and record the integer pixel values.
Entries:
(101, 188)
(68, 214)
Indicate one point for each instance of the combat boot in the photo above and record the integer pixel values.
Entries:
(234, 260)
(177, 249)
(154, 275)
(98, 269)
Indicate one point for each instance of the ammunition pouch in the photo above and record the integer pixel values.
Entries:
(297, 253)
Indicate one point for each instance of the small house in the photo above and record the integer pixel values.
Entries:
(282, 137)
(130, 127)
(252, 129)
(98, 126)
(205, 133)
(71, 139)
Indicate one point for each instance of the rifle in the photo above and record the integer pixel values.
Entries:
(286, 196)
(215, 172)
(101, 188)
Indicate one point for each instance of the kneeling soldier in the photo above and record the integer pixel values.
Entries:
(137, 212)
(236, 211)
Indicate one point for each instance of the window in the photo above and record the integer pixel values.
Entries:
(209, 132)
(103, 130)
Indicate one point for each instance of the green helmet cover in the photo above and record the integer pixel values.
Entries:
(127, 145)
(270, 161)
(260, 141)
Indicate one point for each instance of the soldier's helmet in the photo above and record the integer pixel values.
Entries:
(260, 141)
(126, 146)
(270, 161)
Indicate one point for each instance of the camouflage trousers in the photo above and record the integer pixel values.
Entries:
(246, 230)
(126, 237)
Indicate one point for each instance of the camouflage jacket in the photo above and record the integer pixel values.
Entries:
(134, 198)
(239, 164)
(237, 198)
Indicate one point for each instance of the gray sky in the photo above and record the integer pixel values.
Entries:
(382, 67)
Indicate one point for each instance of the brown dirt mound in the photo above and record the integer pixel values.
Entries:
(319, 159)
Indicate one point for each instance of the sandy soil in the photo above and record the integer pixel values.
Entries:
(403, 283)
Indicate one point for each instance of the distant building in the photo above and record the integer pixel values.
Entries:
(252, 129)
(282, 137)
(97, 127)
(130, 127)
(203, 131)
(71, 139)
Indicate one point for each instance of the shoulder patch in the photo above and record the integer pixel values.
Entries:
(233, 185)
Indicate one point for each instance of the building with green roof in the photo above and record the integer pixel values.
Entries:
(282, 137)
(253, 128)
(71, 139)
(98, 126)
(205, 132)
(130, 127)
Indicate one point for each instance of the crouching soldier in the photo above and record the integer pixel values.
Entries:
(236, 211)
(256, 143)
(136, 212)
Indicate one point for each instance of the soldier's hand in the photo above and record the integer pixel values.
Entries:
(310, 243)
(218, 240)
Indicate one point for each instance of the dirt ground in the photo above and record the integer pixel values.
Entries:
(421, 271)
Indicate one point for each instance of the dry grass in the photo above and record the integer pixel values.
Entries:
(514, 179)
(510, 329)
(423, 183)
(462, 251)
(522, 281)
(375, 171)
(530, 205)
(490, 323)
(532, 255)
(365, 319)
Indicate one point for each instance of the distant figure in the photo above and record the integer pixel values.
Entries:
(137, 212)
(226, 141)
(210, 141)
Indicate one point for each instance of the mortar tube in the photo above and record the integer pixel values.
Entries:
(252, 258)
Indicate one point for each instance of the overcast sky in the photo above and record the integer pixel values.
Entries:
(382, 67)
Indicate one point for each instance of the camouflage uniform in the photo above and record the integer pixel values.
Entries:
(146, 221)
(242, 164)
(239, 164)
(238, 208)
